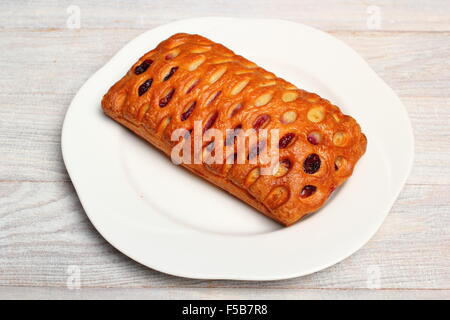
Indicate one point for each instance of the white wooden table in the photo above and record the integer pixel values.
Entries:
(45, 236)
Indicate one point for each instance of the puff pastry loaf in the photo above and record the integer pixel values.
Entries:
(188, 78)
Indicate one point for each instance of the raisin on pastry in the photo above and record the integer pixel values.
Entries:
(188, 78)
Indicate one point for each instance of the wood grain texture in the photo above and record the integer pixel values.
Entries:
(404, 15)
(12, 293)
(31, 148)
(44, 230)
(415, 65)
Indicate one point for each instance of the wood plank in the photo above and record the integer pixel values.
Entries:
(30, 133)
(410, 63)
(420, 15)
(60, 61)
(45, 230)
(32, 111)
(13, 293)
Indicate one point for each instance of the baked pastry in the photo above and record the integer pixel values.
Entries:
(188, 78)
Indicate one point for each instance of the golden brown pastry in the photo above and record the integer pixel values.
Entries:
(189, 78)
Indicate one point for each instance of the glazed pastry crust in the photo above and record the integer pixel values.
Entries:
(189, 78)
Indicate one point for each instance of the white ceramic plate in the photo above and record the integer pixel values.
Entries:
(167, 219)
